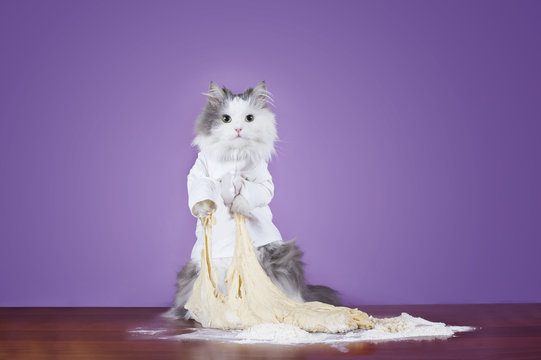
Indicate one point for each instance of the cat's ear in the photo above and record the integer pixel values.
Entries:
(260, 95)
(216, 94)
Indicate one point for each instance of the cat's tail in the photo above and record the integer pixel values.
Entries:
(321, 293)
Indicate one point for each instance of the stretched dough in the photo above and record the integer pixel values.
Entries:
(253, 299)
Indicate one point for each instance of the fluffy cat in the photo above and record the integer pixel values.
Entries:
(235, 134)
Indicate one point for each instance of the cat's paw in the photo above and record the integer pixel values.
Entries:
(227, 189)
(240, 206)
(230, 186)
(203, 208)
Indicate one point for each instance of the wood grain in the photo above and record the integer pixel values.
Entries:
(505, 331)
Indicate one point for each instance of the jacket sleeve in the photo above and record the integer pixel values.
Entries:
(259, 189)
(200, 185)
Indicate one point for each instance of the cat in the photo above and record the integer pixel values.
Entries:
(235, 134)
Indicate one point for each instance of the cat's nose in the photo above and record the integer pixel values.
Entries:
(238, 130)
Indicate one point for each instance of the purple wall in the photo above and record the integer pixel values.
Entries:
(409, 165)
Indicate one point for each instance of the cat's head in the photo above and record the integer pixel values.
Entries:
(237, 126)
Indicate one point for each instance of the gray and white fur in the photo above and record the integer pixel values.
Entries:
(280, 260)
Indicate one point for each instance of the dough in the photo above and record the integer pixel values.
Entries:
(253, 299)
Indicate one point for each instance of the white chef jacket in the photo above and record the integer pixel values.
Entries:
(205, 183)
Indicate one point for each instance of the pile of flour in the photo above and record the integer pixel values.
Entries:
(402, 327)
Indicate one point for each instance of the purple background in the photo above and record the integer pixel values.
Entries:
(408, 167)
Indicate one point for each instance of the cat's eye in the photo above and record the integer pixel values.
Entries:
(226, 118)
(249, 118)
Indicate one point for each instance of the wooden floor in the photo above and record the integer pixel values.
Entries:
(505, 331)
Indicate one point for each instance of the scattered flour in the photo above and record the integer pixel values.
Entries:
(403, 327)
(256, 299)
(275, 333)
(147, 332)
